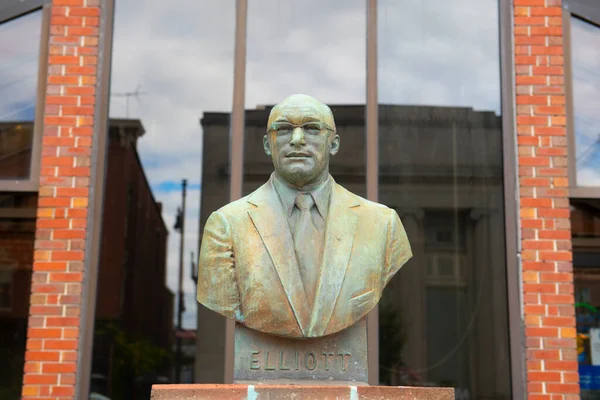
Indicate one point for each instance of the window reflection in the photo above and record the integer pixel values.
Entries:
(18, 82)
(443, 317)
(17, 234)
(171, 62)
(585, 230)
(585, 53)
(133, 330)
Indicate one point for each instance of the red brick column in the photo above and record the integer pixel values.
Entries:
(53, 337)
(544, 214)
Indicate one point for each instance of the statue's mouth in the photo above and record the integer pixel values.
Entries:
(297, 155)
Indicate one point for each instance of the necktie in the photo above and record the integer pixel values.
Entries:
(307, 246)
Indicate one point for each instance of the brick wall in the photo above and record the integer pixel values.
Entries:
(545, 227)
(62, 225)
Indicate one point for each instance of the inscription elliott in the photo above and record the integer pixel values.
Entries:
(285, 361)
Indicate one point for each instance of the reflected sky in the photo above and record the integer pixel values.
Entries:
(585, 52)
(439, 53)
(19, 66)
(314, 47)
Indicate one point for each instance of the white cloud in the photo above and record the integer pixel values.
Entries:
(588, 177)
(439, 53)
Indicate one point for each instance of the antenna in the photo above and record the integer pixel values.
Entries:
(136, 93)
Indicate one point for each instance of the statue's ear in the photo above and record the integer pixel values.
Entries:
(267, 145)
(335, 145)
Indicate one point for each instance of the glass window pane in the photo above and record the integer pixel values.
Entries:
(172, 68)
(18, 84)
(17, 234)
(315, 48)
(585, 53)
(585, 231)
(443, 317)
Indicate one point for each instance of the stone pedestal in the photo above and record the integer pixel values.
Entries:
(305, 392)
(339, 358)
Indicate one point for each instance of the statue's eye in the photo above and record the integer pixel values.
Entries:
(283, 129)
(312, 128)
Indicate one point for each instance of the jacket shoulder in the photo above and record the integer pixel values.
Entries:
(235, 207)
(366, 205)
(242, 205)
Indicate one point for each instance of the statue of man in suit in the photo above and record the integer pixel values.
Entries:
(301, 257)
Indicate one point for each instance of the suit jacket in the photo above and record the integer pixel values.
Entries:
(248, 269)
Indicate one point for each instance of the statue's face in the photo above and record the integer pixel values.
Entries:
(300, 140)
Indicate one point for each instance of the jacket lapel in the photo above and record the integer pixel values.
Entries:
(339, 237)
(273, 228)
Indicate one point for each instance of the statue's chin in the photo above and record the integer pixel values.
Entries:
(297, 177)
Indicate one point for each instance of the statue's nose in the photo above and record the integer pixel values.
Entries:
(297, 136)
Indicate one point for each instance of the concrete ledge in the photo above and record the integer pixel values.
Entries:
(305, 392)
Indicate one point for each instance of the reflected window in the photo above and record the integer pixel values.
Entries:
(5, 287)
(585, 53)
(443, 317)
(585, 230)
(17, 235)
(18, 87)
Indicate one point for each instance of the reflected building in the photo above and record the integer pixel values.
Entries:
(17, 233)
(133, 330)
(443, 317)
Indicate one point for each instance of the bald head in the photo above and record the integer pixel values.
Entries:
(301, 106)
(300, 139)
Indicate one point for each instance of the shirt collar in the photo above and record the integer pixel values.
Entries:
(287, 195)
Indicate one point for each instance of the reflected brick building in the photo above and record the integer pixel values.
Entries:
(132, 264)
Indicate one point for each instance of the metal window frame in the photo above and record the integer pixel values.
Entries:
(512, 227)
(93, 240)
(588, 11)
(31, 183)
(236, 149)
(372, 172)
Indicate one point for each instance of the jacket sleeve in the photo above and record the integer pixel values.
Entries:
(217, 285)
(398, 248)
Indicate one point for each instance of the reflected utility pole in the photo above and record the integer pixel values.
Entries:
(180, 226)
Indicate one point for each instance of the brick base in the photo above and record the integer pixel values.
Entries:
(306, 392)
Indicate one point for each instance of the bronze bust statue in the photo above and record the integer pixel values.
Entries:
(300, 257)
